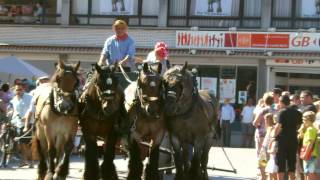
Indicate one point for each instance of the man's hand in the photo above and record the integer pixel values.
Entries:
(25, 129)
(124, 60)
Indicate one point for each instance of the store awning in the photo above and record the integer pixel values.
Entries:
(173, 52)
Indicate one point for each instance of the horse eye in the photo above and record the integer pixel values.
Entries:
(152, 84)
(109, 81)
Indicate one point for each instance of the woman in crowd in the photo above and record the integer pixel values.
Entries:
(309, 151)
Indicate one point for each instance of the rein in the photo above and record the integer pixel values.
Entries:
(125, 75)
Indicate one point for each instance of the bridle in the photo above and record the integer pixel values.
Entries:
(146, 100)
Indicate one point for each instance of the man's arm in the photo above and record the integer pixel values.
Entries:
(102, 60)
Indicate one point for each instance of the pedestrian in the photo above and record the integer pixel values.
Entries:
(251, 90)
(119, 47)
(20, 104)
(289, 120)
(159, 54)
(309, 151)
(306, 98)
(246, 123)
(276, 93)
(38, 13)
(263, 154)
(295, 101)
(227, 116)
(272, 167)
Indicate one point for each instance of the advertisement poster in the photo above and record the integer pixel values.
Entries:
(213, 7)
(242, 97)
(228, 90)
(310, 8)
(289, 41)
(116, 7)
(209, 83)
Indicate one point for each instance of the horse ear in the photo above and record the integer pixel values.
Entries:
(185, 66)
(61, 64)
(97, 67)
(76, 67)
(145, 67)
(159, 68)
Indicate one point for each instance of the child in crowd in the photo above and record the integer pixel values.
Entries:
(272, 167)
(309, 150)
(263, 155)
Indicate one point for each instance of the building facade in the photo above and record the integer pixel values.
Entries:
(273, 43)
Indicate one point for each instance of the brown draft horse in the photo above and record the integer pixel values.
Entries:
(101, 108)
(147, 119)
(56, 122)
(191, 117)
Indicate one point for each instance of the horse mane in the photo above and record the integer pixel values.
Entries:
(175, 71)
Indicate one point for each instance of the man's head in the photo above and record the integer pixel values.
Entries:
(284, 101)
(41, 80)
(19, 90)
(295, 99)
(120, 27)
(268, 99)
(306, 97)
(276, 92)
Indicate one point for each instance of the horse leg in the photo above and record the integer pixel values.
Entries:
(123, 8)
(135, 163)
(195, 172)
(62, 169)
(42, 167)
(51, 157)
(177, 157)
(91, 167)
(108, 169)
(187, 154)
(205, 157)
(151, 172)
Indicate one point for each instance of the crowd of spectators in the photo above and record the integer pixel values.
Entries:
(286, 135)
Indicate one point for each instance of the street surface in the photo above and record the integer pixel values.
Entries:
(243, 160)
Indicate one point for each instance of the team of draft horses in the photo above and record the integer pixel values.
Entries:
(145, 110)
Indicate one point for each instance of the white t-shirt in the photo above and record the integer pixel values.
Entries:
(247, 114)
(151, 58)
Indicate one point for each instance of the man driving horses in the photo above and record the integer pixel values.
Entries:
(119, 47)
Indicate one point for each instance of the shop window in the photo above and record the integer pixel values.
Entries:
(295, 13)
(28, 11)
(281, 74)
(304, 76)
(104, 12)
(216, 13)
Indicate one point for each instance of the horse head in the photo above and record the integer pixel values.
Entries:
(180, 86)
(107, 88)
(66, 76)
(65, 81)
(149, 89)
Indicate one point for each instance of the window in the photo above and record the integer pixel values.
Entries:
(215, 13)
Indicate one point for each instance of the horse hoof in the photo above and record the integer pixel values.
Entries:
(57, 177)
(48, 176)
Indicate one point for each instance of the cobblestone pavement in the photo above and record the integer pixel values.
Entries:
(242, 159)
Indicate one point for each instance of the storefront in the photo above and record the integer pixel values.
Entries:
(294, 75)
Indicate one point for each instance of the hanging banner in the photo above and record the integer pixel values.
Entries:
(210, 84)
(213, 7)
(222, 40)
(116, 7)
(310, 8)
(227, 90)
